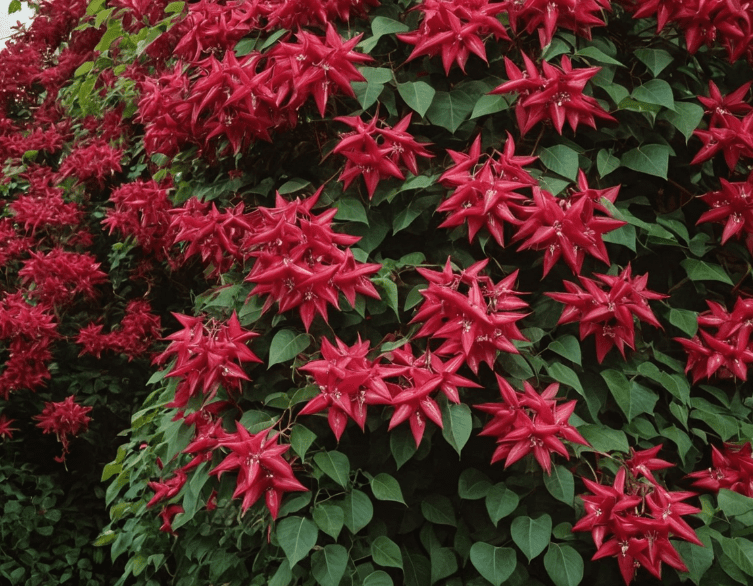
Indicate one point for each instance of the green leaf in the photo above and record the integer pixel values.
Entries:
(286, 345)
(450, 109)
(335, 465)
(416, 569)
(386, 552)
(652, 159)
(657, 92)
(734, 504)
(597, 55)
(328, 564)
(496, 564)
(282, 576)
(684, 320)
(15, 6)
(625, 235)
(350, 209)
(389, 293)
(560, 159)
(680, 439)
(473, 484)
(329, 518)
(301, 439)
(699, 270)
(386, 488)
(488, 104)
(296, 535)
(358, 510)
(437, 509)
(531, 535)
(406, 216)
(174, 7)
(561, 484)
(698, 559)
(443, 563)
(631, 397)
(655, 59)
(381, 26)
(457, 423)
(563, 564)
(604, 439)
(606, 162)
(83, 69)
(500, 502)
(419, 95)
(740, 552)
(686, 117)
(113, 31)
(105, 538)
(378, 578)
(402, 445)
(565, 374)
(567, 346)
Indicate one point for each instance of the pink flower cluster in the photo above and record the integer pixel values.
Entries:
(138, 329)
(633, 519)
(728, 351)
(732, 469)
(530, 423)
(66, 419)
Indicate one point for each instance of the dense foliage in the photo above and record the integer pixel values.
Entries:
(359, 292)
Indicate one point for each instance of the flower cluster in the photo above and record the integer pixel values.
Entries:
(727, 352)
(138, 329)
(568, 227)
(732, 469)
(732, 206)
(725, 22)
(6, 431)
(66, 419)
(730, 129)
(261, 468)
(378, 152)
(299, 261)
(530, 423)
(555, 93)
(207, 355)
(608, 313)
(349, 382)
(475, 323)
(454, 29)
(634, 518)
(58, 276)
(546, 16)
(485, 193)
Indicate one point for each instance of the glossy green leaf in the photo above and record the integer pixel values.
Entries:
(699, 270)
(685, 320)
(564, 565)
(631, 397)
(386, 488)
(419, 95)
(652, 159)
(561, 484)
(416, 569)
(378, 578)
(450, 109)
(496, 564)
(560, 159)
(297, 536)
(402, 445)
(386, 552)
(381, 26)
(657, 92)
(500, 502)
(438, 509)
(597, 55)
(457, 423)
(358, 510)
(531, 535)
(604, 439)
(655, 59)
(686, 117)
(567, 346)
(566, 375)
(328, 564)
(301, 439)
(335, 465)
(488, 104)
(350, 209)
(329, 518)
(473, 484)
(286, 345)
(606, 162)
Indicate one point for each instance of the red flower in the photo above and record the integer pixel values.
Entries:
(59, 275)
(608, 315)
(567, 227)
(208, 355)
(5, 426)
(475, 324)
(455, 29)
(726, 353)
(557, 96)
(530, 423)
(65, 419)
(733, 207)
(168, 515)
(732, 469)
(486, 193)
(300, 262)
(547, 16)
(348, 383)
(261, 468)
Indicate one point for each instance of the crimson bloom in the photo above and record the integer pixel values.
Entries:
(530, 423)
(555, 93)
(608, 314)
(66, 419)
(546, 16)
(5, 426)
(731, 469)
(732, 206)
(261, 468)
